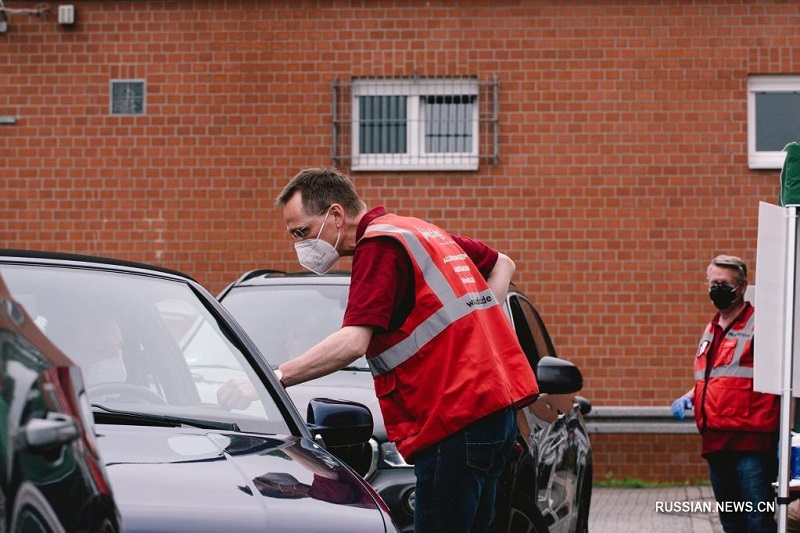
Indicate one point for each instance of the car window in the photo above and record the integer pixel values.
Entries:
(531, 332)
(286, 320)
(211, 358)
(146, 344)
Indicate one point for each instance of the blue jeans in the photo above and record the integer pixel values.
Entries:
(457, 477)
(744, 477)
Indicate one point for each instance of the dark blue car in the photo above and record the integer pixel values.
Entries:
(161, 359)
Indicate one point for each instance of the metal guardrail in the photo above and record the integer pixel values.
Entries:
(629, 419)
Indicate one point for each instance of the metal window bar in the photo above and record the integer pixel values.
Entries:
(383, 122)
(449, 128)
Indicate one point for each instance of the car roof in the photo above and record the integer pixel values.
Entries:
(49, 257)
(263, 277)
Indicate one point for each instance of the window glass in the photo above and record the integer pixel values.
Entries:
(448, 123)
(127, 97)
(531, 331)
(415, 124)
(524, 334)
(211, 358)
(778, 120)
(146, 344)
(383, 124)
(286, 320)
(773, 116)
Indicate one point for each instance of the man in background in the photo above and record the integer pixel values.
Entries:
(738, 426)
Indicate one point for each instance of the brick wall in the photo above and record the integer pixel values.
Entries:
(673, 458)
(622, 159)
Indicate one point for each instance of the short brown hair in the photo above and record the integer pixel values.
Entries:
(320, 187)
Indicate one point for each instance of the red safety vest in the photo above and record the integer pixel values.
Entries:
(723, 394)
(456, 357)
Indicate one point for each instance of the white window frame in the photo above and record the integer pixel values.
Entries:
(416, 157)
(759, 84)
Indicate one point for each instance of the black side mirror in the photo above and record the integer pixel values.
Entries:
(339, 422)
(558, 376)
(584, 405)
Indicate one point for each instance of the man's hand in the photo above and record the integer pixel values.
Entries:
(680, 406)
(236, 393)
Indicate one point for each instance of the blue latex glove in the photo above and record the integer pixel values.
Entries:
(680, 406)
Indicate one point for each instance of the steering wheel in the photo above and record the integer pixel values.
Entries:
(122, 388)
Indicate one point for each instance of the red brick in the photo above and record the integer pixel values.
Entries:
(622, 159)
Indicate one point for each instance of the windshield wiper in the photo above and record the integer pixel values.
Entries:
(107, 415)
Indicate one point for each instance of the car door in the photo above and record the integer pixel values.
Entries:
(548, 423)
(51, 478)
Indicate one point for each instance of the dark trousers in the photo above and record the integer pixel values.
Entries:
(457, 478)
(744, 479)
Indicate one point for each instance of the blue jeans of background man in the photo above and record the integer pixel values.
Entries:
(457, 477)
(745, 477)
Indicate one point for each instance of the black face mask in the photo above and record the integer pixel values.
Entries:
(723, 295)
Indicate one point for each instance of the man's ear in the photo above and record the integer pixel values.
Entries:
(743, 287)
(337, 213)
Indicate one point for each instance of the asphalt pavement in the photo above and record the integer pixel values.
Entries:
(654, 510)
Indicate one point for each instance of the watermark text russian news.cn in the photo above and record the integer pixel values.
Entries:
(714, 507)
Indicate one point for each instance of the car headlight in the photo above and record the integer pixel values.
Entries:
(391, 456)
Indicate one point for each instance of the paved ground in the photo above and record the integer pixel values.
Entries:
(646, 510)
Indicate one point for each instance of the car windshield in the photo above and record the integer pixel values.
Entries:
(150, 348)
(286, 320)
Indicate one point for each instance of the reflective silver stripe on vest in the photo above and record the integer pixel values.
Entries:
(433, 276)
(734, 369)
(453, 307)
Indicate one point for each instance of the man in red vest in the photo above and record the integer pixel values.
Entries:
(425, 307)
(739, 426)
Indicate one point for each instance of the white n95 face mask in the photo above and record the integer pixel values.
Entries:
(317, 255)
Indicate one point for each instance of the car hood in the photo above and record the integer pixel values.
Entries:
(181, 479)
(352, 385)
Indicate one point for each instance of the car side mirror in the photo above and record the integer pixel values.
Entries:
(558, 376)
(584, 405)
(339, 422)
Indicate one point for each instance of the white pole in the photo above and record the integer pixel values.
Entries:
(786, 375)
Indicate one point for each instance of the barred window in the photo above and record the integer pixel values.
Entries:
(413, 124)
(383, 125)
(448, 123)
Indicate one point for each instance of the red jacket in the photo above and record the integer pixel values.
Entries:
(456, 357)
(723, 394)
